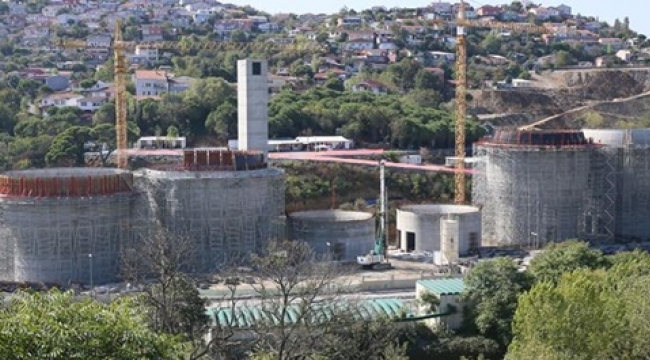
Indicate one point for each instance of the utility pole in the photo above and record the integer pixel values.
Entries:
(90, 265)
(383, 206)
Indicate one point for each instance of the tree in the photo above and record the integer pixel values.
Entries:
(560, 258)
(492, 289)
(587, 314)
(300, 310)
(563, 58)
(59, 326)
(68, 147)
(160, 263)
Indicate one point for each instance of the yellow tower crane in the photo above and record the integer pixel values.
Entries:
(462, 23)
(120, 70)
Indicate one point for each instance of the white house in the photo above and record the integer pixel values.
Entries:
(443, 297)
(151, 82)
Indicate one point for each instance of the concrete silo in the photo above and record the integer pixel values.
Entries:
(59, 225)
(533, 187)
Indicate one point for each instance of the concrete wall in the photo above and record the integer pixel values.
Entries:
(227, 215)
(252, 103)
(49, 239)
(350, 233)
(425, 222)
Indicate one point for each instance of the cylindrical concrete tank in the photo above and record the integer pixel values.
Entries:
(532, 186)
(419, 227)
(625, 180)
(228, 215)
(52, 221)
(349, 233)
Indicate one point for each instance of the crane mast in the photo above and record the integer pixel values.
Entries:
(461, 105)
(120, 98)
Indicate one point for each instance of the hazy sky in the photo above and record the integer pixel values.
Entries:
(637, 10)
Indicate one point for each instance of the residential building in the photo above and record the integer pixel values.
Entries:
(370, 85)
(613, 44)
(151, 82)
(90, 103)
(564, 10)
(152, 32)
(359, 44)
(488, 10)
(150, 54)
(625, 55)
(350, 21)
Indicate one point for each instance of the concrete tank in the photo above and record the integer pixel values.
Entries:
(625, 180)
(533, 186)
(53, 220)
(420, 227)
(228, 203)
(349, 233)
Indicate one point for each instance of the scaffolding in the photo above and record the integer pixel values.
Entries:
(627, 180)
(227, 215)
(534, 187)
(59, 225)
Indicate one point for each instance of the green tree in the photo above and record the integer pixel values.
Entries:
(68, 147)
(59, 326)
(563, 58)
(492, 289)
(560, 258)
(588, 314)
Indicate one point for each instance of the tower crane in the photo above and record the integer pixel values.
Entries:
(119, 47)
(462, 23)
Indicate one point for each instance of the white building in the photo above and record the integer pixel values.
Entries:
(159, 82)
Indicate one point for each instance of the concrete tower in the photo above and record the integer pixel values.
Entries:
(252, 102)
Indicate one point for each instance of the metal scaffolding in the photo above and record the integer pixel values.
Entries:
(226, 214)
(533, 188)
(59, 225)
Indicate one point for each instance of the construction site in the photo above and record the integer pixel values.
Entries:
(530, 185)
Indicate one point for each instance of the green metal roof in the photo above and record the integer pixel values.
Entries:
(248, 316)
(450, 286)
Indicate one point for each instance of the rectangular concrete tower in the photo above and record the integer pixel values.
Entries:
(253, 103)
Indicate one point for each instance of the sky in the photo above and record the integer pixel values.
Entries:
(605, 10)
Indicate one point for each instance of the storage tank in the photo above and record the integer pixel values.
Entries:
(625, 180)
(228, 203)
(420, 227)
(349, 233)
(58, 225)
(532, 186)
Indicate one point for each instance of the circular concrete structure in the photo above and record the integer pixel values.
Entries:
(227, 210)
(532, 186)
(625, 189)
(420, 227)
(52, 219)
(349, 233)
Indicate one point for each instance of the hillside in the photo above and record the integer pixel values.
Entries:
(574, 89)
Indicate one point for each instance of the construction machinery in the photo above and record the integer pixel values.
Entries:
(119, 47)
(461, 84)
(377, 258)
